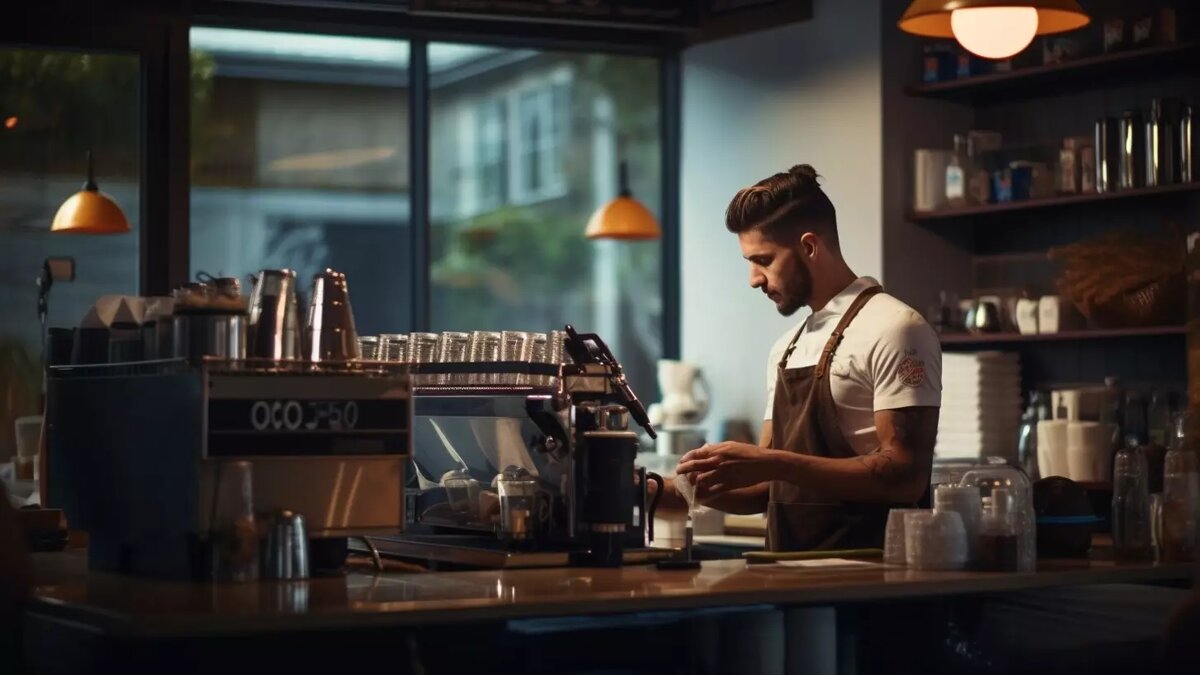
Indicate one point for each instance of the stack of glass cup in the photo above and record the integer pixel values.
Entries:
(475, 347)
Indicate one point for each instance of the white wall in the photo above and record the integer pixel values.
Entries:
(754, 105)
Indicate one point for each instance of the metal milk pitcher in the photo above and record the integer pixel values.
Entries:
(274, 330)
(330, 325)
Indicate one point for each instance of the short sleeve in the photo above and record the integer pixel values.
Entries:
(906, 365)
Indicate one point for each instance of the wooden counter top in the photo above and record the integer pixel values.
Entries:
(120, 605)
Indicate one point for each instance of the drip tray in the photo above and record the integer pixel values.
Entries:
(487, 553)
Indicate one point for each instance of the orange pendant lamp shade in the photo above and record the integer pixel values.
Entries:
(623, 218)
(90, 211)
(993, 29)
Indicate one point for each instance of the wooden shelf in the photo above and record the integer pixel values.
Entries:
(1049, 202)
(1099, 70)
(968, 339)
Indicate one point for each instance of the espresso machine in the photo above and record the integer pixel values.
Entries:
(519, 464)
(136, 450)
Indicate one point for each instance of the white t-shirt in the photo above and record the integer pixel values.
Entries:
(889, 358)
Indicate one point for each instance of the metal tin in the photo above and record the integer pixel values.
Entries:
(1106, 154)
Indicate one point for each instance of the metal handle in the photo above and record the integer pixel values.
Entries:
(653, 507)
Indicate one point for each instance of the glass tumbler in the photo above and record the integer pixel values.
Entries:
(368, 348)
(452, 348)
(422, 347)
(893, 537)
(485, 347)
(393, 347)
(517, 346)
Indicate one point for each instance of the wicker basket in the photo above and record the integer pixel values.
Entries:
(1160, 303)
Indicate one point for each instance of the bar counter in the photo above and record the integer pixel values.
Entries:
(128, 606)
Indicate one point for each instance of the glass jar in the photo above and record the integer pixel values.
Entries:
(996, 473)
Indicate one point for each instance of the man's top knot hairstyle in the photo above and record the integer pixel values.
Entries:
(784, 207)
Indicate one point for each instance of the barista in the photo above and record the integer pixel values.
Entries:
(853, 390)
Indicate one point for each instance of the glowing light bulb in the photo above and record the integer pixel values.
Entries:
(994, 32)
(10, 123)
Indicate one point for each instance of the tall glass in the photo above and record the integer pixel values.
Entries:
(234, 533)
(517, 346)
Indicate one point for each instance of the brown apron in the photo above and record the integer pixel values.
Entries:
(804, 420)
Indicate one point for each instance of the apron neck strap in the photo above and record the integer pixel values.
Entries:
(839, 331)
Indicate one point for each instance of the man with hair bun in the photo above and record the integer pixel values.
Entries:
(854, 389)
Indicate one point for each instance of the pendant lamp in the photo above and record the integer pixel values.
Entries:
(623, 217)
(90, 211)
(994, 29)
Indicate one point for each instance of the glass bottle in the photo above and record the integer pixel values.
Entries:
(1158, 418)
(1181, 494)
(979, 183)
(1027, 434)
(956, 173)
(1131, 507)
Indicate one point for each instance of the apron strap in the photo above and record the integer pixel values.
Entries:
(838, 332)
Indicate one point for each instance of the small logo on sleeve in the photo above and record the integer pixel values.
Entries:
(912, 371)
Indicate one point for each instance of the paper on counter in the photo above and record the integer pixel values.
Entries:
(828, 562)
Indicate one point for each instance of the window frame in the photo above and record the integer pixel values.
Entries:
(160, 38)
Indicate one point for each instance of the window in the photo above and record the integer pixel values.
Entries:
(54, 107)
(300, 160)
(522, 262)
(492, 169)
(540, 142)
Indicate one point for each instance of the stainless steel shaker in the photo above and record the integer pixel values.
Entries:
(1161, 161)
(274, 326)
(285, 555)
(1187, 161)
(329, 329)
(1106, 154)
(1132, 151)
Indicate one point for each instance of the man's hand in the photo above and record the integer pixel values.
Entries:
(718, 468)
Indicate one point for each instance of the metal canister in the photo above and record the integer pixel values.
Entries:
(1132, 151)
(1106, 154)
(1187, 162)
(1160, 146)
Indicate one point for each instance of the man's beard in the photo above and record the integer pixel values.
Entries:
(797, 293)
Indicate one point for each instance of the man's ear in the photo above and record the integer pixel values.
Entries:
(809, 243)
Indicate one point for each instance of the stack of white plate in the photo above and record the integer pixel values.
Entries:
(981, 405)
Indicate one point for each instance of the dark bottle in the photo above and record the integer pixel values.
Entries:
(999, 541)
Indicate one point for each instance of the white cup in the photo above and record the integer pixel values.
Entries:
(966, 501)
(1089, 451)
(1027, 316)
(1052, 448)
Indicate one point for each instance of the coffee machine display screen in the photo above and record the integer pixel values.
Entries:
(288, 427)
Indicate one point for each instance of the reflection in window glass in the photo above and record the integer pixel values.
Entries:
(524, 148)
(54, 106)
(300, 160)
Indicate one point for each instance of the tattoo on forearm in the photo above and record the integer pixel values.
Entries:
(890, 464)
(887, 471)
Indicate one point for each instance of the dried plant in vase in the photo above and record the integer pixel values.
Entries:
(1125, 278)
